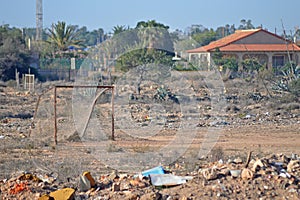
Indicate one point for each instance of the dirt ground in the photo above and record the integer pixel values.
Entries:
(268, 127)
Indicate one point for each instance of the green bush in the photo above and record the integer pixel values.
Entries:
(294, 87)
(252, 64)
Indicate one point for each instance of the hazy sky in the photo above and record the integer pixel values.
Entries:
(180, 14)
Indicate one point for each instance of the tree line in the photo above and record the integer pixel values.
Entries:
(18, 47)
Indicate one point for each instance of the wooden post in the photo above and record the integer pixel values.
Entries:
(55, 122)
(112, 115)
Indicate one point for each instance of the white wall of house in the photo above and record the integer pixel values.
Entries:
(270, 59)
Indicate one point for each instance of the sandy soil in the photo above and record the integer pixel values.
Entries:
(264, 127)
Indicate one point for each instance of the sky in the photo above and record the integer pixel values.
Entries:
(271, 14)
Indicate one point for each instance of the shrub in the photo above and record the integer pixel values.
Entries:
(294, 87)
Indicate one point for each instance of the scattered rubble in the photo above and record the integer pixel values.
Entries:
(263, 177)
(266, 177)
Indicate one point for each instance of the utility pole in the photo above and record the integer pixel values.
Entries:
(39, 19)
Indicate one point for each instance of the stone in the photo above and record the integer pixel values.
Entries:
(46, 197)
(138, 183)
(28, 177)
(123, 176)
(63, 194)
(258, 165)
(293, 165)
(151, 195)
(247, 174)
(113, 175)
(284, 159)
(115, 187)
(235, 173)
(210, 174)
(238, 161)
(90, 178)
(225, 172)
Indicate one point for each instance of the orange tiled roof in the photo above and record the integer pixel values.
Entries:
(260, 47)
(225, 44)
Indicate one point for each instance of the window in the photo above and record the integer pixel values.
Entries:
(278, 61)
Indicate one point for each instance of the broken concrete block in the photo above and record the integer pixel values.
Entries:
(293, 165)
(247, 174)
(63, 194)
(90, 178)
(235, 173)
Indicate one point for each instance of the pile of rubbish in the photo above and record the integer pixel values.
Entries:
(274, 176)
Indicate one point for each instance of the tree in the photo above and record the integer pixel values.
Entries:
(252, 65)
(119, 29)
(149, 42)
(151, 24)
(63, 36)
(226, 63)
(226, 30)
(246, 24)
(13, 53)
(194, 29)
(143, 56)
(205, 37)
(151, 48)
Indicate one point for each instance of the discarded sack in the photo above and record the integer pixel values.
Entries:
(168, 179)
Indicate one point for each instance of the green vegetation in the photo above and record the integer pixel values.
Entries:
(61, 37)
(154, 44)
(143, 56)
(225, 63)
(252, 65)
(13, 53)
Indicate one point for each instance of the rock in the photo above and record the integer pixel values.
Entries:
(210, 174)
(238, 161)
(63, 194)
(28, 177)
(113, 175)
(235, 173)
(115, 187)
(247, 174)
(46, 197)
(84, 184)
(123, 176)
(284, 159)
(293, 165)
(90, 178)
(225, 172)
(138, 183)
(131, 196)
(258, 165)
(152, 195)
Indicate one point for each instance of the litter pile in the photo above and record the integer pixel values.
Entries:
(275, 176)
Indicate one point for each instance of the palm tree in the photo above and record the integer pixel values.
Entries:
(62, 36)
(119, 29)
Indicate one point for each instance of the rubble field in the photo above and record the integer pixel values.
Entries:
(256, 154)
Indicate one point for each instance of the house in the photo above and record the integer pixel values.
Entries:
(270, 49)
